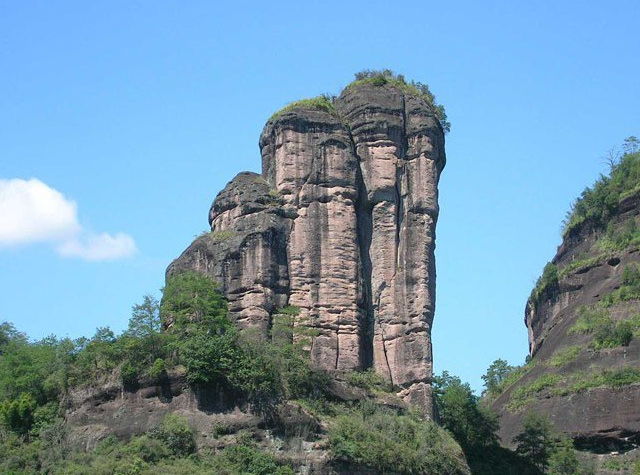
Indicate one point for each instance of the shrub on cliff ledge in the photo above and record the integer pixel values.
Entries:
(174, 432)
(613, 334)
(546, 282)
(629, 288)
(619, 239)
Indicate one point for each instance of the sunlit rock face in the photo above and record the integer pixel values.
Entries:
(340, 224)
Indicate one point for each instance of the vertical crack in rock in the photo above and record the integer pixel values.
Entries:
(365, 233)
(364, 223)
(398, 217)
(340, 224)
(335, 366)
(384, 349)
(399, 180)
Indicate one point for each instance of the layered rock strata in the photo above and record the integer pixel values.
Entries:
(340, 224)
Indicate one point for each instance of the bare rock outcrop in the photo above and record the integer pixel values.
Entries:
(245, 252)
(340, 224)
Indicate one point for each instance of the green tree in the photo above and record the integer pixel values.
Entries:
(243, 368)
(144, 343)
(471, 425)
(174, 431)
(17, 414)
(97, 356)
(535, 442)
(8, 334)
(563, 460)
(496, 373)
(209, 359)
(33, 368)
(145, 318)
(631, 145)
(190, 297)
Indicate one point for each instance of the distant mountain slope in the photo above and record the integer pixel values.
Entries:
(583, 318)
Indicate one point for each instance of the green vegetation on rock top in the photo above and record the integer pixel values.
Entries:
(385, 77)
(597, 205)
(378, 78)
(323, 102)
(599, 202)
(547, 281)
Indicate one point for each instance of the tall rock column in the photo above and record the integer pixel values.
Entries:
(400, 147)
(340, 224)
(307, 157)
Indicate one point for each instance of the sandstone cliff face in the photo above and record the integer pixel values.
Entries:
(340, 224)
(599, 417)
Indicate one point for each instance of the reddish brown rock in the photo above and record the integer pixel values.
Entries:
(308, 159)
(340, 224)
(400, 147)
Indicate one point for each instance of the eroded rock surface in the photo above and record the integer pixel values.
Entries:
(340, 224)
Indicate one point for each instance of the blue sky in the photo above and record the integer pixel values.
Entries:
(138, 112)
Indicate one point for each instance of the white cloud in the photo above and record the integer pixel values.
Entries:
(31, 211)
(99, 247)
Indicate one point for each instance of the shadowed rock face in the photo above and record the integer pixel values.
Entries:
(340, 224)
